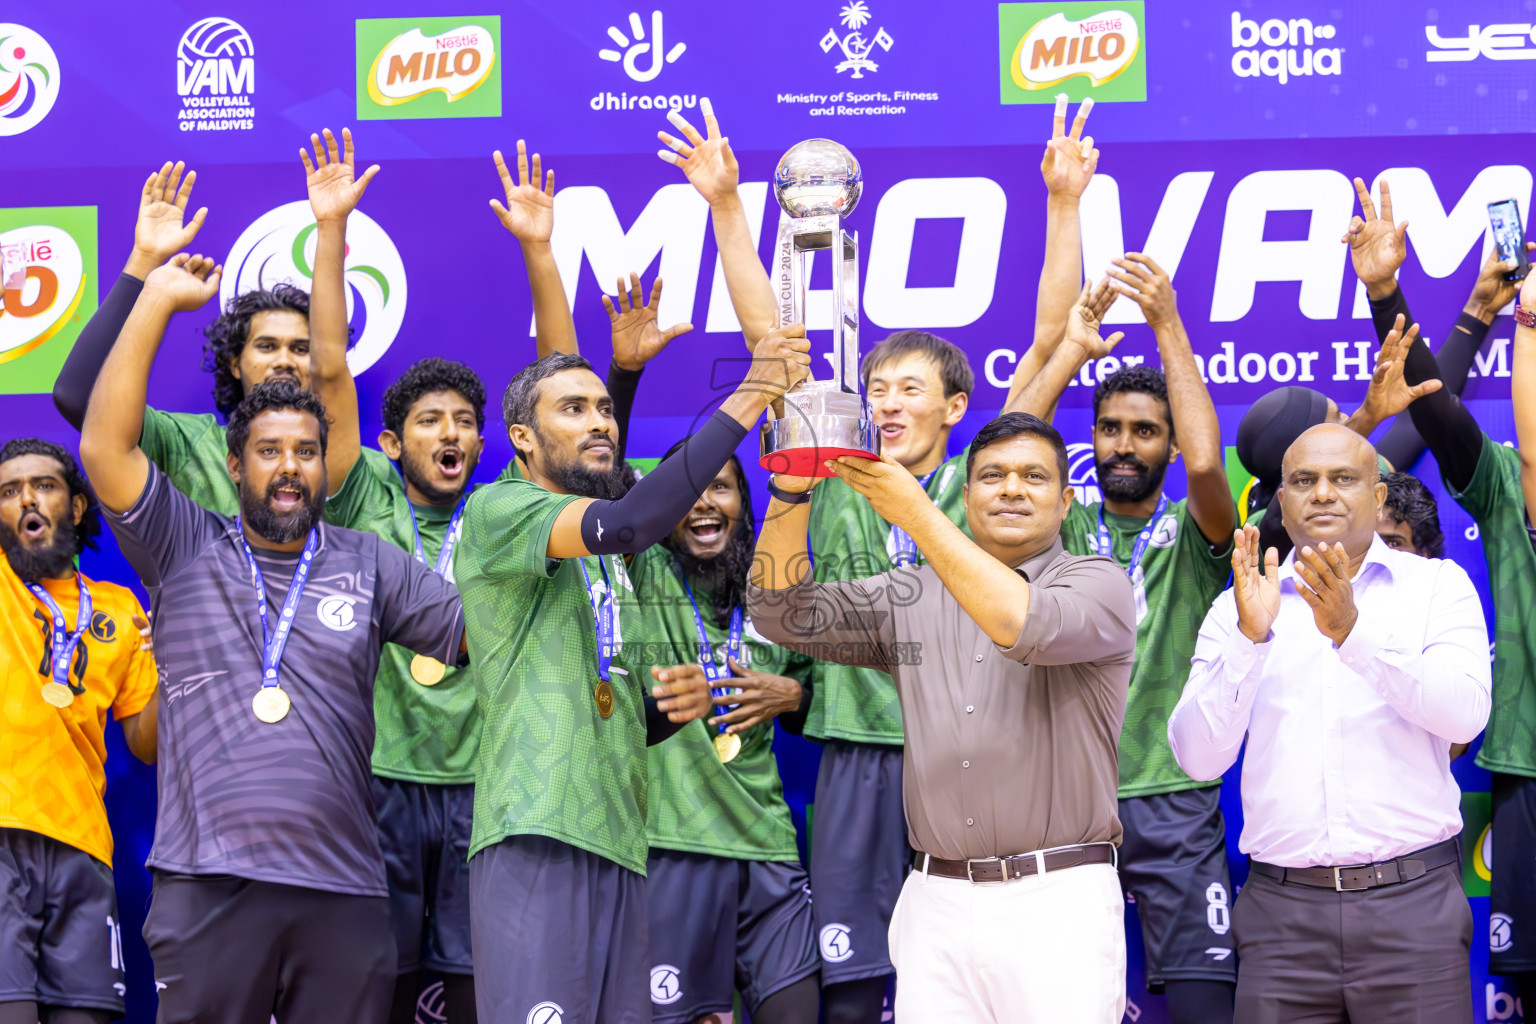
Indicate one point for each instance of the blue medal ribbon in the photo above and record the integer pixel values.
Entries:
(1139, 550)
(712, 671)
(602, 616)
(64, 641)
(445, 553)
(273, 641)
(902, 546)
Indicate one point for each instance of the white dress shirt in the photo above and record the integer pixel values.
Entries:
(1348, 746)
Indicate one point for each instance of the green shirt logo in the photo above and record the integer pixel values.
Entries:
(428, 67)
(1082, 49)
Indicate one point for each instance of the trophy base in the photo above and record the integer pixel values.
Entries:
(819, 424)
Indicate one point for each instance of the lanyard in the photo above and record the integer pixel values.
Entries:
(445, 553)
(602, 615)
(902, 548)
(712, 671)
(64, 642)
(274, 642)
(1107, 544)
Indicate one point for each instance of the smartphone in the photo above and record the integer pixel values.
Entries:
(1509, 237)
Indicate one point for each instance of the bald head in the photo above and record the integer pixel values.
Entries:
(1331, 489)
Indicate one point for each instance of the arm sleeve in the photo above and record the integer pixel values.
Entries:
(658, 726)
(72, 389)
(798, 668)
(164, 529)
(655, 505)
(849, 622)
(418, 609)
(1207, 727)
(622, 387)
(1403, 444)
(1087, 613)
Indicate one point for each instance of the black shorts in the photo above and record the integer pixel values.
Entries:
(230, 950)
(1512, 906)
(424, 832)
(859, 858)
(1173, 861)
(720, 925)
(563, 935)
(61, 940)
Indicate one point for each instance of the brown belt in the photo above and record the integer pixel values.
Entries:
(1355, 877)
(1020, 865)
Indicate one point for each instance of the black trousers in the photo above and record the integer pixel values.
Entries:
(1393, 955)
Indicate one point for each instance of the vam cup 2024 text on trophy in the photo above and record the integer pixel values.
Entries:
(818, 183)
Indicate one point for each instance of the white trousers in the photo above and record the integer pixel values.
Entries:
(1039, 950)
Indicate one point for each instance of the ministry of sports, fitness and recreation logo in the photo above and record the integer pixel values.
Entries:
(29, 78)
(280, 247)
(1084, 49)
(216, 77)
(428, 67)
(836, 943)
(666, 984)
(47, 291)
(853, 44)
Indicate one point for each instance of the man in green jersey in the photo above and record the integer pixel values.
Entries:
(730, 904)
(558, 852)
(1173, 859)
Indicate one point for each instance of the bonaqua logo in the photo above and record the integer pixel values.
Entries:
(280, 247)
(1288, 49)
(29, 78)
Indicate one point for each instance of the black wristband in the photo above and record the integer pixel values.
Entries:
(788, 497)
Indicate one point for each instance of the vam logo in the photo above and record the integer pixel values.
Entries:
(29, 78)
(836, 943)
(632, 49)
(1042, 48)
(47, 255)
(855, 48)
(280, 247)
(428, 67)
(216, 77)
(1288, 49)
(666, 984)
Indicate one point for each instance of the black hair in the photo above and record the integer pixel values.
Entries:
(272, 394)
(89, 527)
(228, 334)
(521, 399)
(954, 368)
(1409, 501)
(1013, 424)
(728, 573)
(428, 376)
(1141, 380)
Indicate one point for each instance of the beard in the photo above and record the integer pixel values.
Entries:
(724, 577)
(1146, 481)
(277, 527)
(575, 477)
(54, 560)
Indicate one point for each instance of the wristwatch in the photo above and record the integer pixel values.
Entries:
(788, 497)
(1524, 317)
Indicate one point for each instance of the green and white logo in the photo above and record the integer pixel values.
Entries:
(428, 67)
(280, 247)
(1081, 49)
(47, 291)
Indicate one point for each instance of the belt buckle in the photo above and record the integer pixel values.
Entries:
(970, 863)
(1338, 883)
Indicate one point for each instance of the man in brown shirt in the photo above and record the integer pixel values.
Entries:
(1012, 660)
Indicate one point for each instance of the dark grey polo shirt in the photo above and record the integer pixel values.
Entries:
(1008, 750)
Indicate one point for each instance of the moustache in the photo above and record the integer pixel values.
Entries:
(1128, 461)
(291, 482)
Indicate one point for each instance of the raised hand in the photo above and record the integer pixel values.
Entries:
(1388, 393)
(1070, 159)
(1492, 293)
(1376, 247)
(185, 282)
(334, 191)
(684, 693)
(162, 229)
(780, 361)
(1085, 318)
(530, 210)
(1328, 590)
(1255, 584)
(636, 338)
(1140, 278)
(759, 697)
(706, 159)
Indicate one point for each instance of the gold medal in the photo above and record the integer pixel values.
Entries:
(270, 704)
(727, 746)
(604, 697)
(427, 671)
(57, 694)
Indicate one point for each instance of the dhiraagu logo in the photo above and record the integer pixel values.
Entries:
(1081, 49)
(280, 246)
(48, 279)
(428, 67)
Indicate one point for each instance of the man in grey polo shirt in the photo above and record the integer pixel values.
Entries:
(1012, 660)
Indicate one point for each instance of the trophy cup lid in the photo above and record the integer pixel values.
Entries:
(816, 178)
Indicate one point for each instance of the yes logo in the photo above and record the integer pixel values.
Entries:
(47, 259)
(29, 78)
(428, 67)
(280, 247)
(1086, 49)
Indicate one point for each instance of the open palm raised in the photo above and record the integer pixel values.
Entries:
(636, 337)
(530, 210)
(334, 190)
(706, 159)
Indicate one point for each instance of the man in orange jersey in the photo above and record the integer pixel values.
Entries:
(69, 651)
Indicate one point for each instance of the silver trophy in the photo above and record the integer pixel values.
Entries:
(818, 183)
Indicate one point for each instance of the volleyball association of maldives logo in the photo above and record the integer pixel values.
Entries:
(29, 78)
(280, 248)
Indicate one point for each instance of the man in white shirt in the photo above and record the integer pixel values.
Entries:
(1350, 670)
